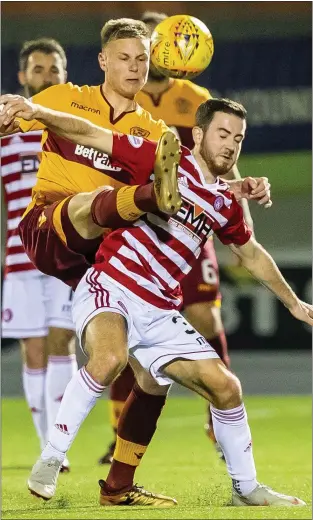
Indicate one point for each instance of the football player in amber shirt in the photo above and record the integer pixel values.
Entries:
(67, 169)
(56, 216)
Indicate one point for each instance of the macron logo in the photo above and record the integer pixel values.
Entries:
(83, 107)
(100, 161)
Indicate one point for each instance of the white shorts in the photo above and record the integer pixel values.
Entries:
(155, 336)
(31, 303)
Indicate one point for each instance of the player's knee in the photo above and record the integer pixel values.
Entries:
(34, 352)
(228, 393)
(59, 342)
(105, 368)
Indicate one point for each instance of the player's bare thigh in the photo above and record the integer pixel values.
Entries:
(146, 381)
(209, 378)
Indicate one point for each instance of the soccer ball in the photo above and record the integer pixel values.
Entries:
(181, 47)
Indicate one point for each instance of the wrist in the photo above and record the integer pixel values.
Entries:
(38, 111)
(292, 303)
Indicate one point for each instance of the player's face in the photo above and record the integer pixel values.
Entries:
(126, 64)
(42, 71)
(222, 141)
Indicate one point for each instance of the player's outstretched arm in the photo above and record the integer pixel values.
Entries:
(252, 188)
(71, 127)
(263, 267)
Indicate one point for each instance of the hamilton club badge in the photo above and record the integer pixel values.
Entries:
(218, 203)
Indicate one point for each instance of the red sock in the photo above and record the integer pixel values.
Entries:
(119, 392)
(136, 428)
(104, 211)
(123, 385)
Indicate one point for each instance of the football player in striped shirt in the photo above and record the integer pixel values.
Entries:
(129, 301)
(175, 101)
(36, 308)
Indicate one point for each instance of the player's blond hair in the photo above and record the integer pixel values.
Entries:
(122, 28)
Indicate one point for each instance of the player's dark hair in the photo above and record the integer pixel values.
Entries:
(122, 28)
(45, 45)
(153, 17)
(206, 110)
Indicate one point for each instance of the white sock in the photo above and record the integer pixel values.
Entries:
(79, 398)
(233, 434)
(34, 390)
(60, 370)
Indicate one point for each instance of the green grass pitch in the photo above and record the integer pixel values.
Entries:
(180, 462)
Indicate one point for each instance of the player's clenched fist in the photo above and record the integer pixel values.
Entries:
(13, 106)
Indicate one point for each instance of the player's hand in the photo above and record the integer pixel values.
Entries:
(258, 189)
(303, 311)
(16, 106)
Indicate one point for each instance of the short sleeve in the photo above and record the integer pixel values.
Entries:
(236, 230)
(159, 129)
(56, 98)
(135, 155)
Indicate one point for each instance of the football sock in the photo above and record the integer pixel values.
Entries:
(219, 343)
(118, 207)
(136, 427)
(233, 435)
(79, 398)
(119, 392)
(60, 370)
(34, 390)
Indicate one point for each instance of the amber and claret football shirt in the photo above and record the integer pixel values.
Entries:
(67, 168)
(177, 106)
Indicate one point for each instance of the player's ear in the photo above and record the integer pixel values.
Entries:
(102, 60)
(197, 135)
(21, 77)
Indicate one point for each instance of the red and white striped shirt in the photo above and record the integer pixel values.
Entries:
(151, 257)
(19, 166)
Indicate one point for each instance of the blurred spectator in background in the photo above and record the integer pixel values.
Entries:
(36, 309)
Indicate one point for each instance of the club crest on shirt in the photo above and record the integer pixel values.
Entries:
(218, 203)
(140, 132)
(135, 141)
(183, 105)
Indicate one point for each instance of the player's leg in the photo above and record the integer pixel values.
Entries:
(136, 427)
(23, 318)
(202, 299)
(62, 364)
(102, 332)
(119, 392)
(106, 207)
(179, 353)
(211, 379)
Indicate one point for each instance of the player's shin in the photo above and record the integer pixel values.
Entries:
(136, 428)
(60, 370)
(34, 385)
(233, 434)
(79, 398)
